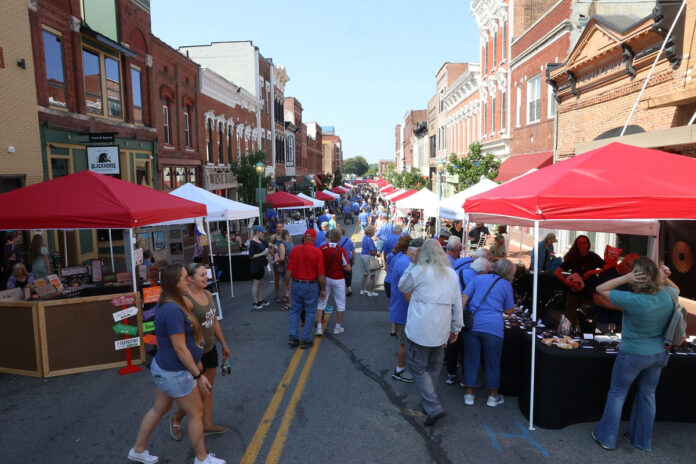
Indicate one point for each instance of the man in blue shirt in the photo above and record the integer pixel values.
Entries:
(545, 253)
(363, 219)
(349, 246)
(326, 217)
(398, 307)
(321, 235)
(392, 239)
(383, 233)
(347, 215)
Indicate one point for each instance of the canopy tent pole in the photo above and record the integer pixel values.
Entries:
(111, 249)
(534, 321)
(466, 233)
(229, 256)
(65, 247)
(216, 294)
(132, 248)
(522, 239)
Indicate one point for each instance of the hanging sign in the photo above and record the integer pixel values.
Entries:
(148, 326)
(103, 160)
(151, 294)
(149, 313)
(122, 329)
(127, 343)
(125, 313)
(123, 300)
(150, 339)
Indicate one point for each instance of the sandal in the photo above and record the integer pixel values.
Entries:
(285, 308)
(175, 430)
(277, 299)
(215, 429)
(285, 299)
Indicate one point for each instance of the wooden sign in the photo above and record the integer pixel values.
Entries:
(121, 329)
(148, 326)
(123, 300)
(150, 339)
(149, 313)
(151, 294)
(125, 313)
(127, 343)
(123, 276)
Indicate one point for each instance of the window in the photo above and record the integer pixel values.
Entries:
(165, 120)
(495, 47)
(551, 104)
(192, 175)
(181, 176)
(290, 160)
(96, 65)
(55, 70)
(136, 84)
(518, 106)
(167, 178)
(187, 126)
(485, 57)
(220, 143)
(493, 114)
(229, 144)
(142, 173)
(433, 146)
(485, 124)
(503, 107)
(534, 99)
(503, 44)
(209, 141)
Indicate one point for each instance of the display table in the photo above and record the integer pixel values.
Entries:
(63, 336)
(297, 228)
(240, 266)
(571, 385)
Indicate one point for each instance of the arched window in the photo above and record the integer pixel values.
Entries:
(165, 120)
(187, 126)
(209, 141)
(220, 142)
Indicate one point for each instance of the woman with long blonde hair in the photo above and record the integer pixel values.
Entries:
(176, 368)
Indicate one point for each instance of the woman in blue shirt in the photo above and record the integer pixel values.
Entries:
(368, 248)
(646, 312)
(177, 368)
(489, 297)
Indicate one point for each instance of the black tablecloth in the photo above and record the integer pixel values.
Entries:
(571, 385)
(240, 267)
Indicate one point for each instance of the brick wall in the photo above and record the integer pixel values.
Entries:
(18, 119)
(552, 19)
(528, 11)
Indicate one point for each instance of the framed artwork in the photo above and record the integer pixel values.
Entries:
(175, 234)
(176, 248)
(158, 240)
(143, 240)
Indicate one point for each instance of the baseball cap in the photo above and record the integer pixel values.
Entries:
(416, 243)
(324, 224)
(259, 229)
(310, 233)
(551, 237)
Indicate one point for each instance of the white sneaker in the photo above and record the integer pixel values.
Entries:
(372, 294)
(469, 400)
(145, 457)
(338, 330)
(364, 292)
(211, 459)
(319, 331)
(495, 401)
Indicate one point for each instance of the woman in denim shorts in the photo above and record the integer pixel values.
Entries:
(176, 369)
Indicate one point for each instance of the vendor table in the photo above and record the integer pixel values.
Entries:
(297, 228)
(571, 385)
(240, 266)
(63, 336)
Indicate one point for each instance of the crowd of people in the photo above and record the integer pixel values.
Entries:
(446, 301)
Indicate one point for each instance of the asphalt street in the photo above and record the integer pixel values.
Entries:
(333, 403)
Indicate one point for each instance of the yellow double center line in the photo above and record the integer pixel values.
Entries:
(281, 436)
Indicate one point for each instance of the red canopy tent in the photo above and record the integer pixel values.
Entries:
(285, 200)
(370, 181)
(403, 195)
(87, 200)
(381, 183)
(339, 190)
(358, 181)
(324, 197)
(387, 190)
(601, 190)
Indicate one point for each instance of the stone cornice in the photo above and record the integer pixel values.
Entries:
(465, 86)
(280, 77)
(220, 89)
(485, 11)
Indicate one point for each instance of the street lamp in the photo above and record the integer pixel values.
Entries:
(260, 167)
(439, 167)
(314, 183)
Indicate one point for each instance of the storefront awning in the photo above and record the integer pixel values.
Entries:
(516, 165)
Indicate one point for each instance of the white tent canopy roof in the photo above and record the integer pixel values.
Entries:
(423, 199)
(394, 193)
(451, 208)
(219, 208)
(317, 203)
(330, 193)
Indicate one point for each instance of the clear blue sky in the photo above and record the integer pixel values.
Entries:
(356, 65)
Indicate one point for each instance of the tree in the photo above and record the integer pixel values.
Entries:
(245, 171)
(372, 169)
(338, 178)
(356, 165)
(406, 180)
(473, 166)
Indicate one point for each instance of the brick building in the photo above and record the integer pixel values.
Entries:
(296, 133)
(541, 34)
(20, 146)
(383, 167)
(398, 136)
(94, 94)
(492, 19)
(242, 63)
(176, 116)
(445, 77)
(228, 130)
(280, 78)
(332, 150)
(406, 129)
(314, 148)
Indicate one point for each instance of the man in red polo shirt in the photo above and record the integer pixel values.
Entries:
(336, 260)
(306, 269)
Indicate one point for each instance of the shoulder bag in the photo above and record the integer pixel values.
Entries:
(468, 315)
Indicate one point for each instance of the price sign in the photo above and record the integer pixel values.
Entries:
(125, 313)
(151, 294)
(148, 327)
(123, 300)
(149, 313)
(122, 329)
(127, 343)
(150, 339)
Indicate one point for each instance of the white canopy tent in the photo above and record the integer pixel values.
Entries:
(330, 193)
(395, 193)
(451, 208)
(424, 199)
(219, 209)
(317, 203)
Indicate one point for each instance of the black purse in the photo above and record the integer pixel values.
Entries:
(468, 315)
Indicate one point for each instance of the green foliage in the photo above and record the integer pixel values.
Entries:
(406, 180)
(372, 169)
(471, 167)
(326, 180)
(337, 178)
(356, 165)
(245, 171)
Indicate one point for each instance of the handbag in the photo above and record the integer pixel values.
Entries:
(468, 315)
(373, 263)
